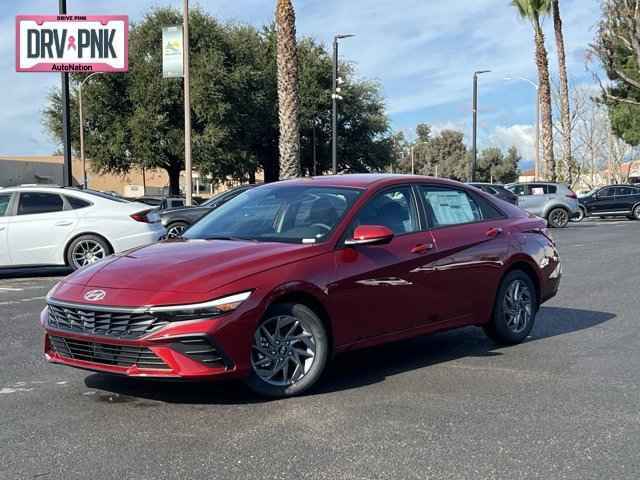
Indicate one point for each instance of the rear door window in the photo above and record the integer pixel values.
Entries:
(537, 189)
(32, 203)
(447, 206)
(5, 199)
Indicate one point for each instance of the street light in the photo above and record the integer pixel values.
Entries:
(537, 141)
(413, 165)
(474, 161)
(335, 96)
(188, 180)
(85, 182)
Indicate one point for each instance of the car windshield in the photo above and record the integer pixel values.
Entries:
(278, 213)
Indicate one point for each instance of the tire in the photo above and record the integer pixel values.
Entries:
(580, 216)
(176, 229)
(87, 250)
(503, 327)
(295, 322)
(636, 212)
(558, 217)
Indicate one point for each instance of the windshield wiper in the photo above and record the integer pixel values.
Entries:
(229, 238)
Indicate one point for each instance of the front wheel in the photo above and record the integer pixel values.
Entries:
(289, 351)
(579, 216)
(176, 229)
(558, 218)
(515, 309)
(636, 212)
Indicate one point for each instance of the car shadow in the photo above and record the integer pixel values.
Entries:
(350, 370)
(32, 272)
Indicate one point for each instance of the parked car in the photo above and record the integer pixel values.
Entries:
(46, 226)
(554, 201)
(611, 201)
(177, 220)
(275, 282)
(497, 191)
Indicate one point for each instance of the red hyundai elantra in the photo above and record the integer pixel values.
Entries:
(274, 283)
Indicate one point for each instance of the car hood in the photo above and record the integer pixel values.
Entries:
(188, 266)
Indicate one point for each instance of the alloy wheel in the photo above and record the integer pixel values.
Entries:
(636, 212)
(559, 218)
(579, 216)
(176, 231)
(518, 306)
(88, 252)
(283, 350)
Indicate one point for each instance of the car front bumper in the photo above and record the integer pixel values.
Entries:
(202, 349)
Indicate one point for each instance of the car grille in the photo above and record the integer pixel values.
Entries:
(104, 323)
(118, 355)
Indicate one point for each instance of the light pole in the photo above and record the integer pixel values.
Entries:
(474, 158)
(536, 159)
(413, 164)
(188, 180)
(67, 167)
(335, 96)
(85, 182)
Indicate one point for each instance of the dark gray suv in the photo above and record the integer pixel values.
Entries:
(554, 201)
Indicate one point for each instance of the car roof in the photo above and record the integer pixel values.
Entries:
(365, 180)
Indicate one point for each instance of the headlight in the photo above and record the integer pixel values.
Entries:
(214, 308)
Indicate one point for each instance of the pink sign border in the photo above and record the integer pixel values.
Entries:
(94, 67)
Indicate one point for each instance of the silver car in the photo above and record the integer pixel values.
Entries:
(554, 201)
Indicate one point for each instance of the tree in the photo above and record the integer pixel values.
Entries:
(565, 106)
(288, 90)
(496, 167)
(617, 45)
(137, 119)
(449, 154)
(533, 11)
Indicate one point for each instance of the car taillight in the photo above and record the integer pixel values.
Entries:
(146, 216)
(572, 195)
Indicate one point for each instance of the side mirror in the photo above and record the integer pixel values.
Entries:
(370, 235)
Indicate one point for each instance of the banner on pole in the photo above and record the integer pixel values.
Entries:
(72, 43)
(172, 52)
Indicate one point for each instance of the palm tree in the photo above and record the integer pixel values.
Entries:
(565, 108)
(288, 90)
(534, 10)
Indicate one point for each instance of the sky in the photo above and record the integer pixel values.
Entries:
(423, 53)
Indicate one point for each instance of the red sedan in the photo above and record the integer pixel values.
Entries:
(274, 283)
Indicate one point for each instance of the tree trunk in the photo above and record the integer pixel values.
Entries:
(288, 90)
(174, 171)
(565, 107)
(542, 63)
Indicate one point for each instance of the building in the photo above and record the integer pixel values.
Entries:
(47, 170)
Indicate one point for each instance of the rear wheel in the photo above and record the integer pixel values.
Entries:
(87, 250)
(289, 351)
(558, 218)
(515, 309)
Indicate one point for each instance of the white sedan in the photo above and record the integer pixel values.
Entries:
(42, 226)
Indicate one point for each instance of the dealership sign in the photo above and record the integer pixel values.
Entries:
(71, 43)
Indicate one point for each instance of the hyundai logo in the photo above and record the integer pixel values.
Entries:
(95, 295)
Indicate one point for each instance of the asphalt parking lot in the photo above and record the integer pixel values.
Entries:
(563, 405)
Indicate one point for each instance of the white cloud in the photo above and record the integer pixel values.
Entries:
(520, 136)
(423, 52)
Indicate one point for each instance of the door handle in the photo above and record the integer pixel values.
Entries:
(63, 223)
(494, 232)
(422, 248)
(2, 229)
